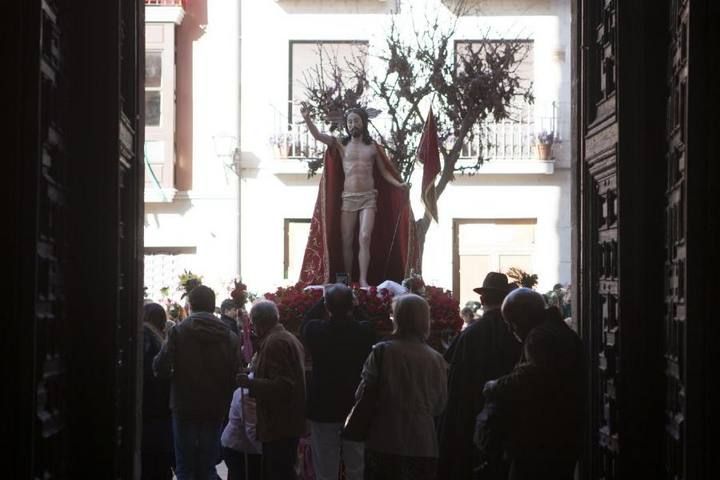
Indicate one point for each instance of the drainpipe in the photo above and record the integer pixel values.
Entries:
(238, 150)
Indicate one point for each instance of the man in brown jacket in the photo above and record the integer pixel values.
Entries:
(279, 387)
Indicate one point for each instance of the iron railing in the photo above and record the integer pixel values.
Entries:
(505, 140)
(165, 3)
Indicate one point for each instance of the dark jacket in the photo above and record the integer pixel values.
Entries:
(319, 312)
(338, 349)
(484, 351)
(200, 357)
(279, 386)
(156, 391)
(231, 323)
(157, 426)
(536, 410)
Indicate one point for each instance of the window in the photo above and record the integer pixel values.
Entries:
(159, 108)
(297, 231)
(306, 57)
(153, 86)
(489, 245)
(163, 267)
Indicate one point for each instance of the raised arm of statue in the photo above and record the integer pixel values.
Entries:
(320, 137)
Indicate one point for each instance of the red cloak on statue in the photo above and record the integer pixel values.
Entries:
(393, 249)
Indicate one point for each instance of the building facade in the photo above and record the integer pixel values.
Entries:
(644, 235)
(239, 72)
(191, 124)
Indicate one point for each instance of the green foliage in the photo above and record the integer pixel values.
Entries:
(522, 278)
(188, 281)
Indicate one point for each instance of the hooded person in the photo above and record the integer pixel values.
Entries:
(200, 358)
(483, 351)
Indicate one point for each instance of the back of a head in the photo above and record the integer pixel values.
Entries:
(202, 299)
(523, 308)
(338, 300)
(154, 314)
(264, 314)
(492, 298)
(411, 316)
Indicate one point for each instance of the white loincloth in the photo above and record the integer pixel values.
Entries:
(356, 201)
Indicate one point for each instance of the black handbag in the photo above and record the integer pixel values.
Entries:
(358, 421)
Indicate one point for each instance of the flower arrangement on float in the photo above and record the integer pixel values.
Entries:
(445, 321)
(292, 303)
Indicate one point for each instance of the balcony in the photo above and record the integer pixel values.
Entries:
(506, 147)
(165, 11)
(165, 3)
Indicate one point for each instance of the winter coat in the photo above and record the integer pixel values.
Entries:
(200, 358)
(279, 386)
(157, 426)
(412, 391)
(537, 409)
(231, 323)
(338, 348)
(484, 351)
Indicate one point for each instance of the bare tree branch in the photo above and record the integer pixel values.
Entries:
(468, 83)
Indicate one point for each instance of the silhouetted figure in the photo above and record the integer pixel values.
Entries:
(229, 315)
(483, 351)
(535, 413)
(279, 389)
(338, 348)
(157, 439)
(411, 380)
(200, 358)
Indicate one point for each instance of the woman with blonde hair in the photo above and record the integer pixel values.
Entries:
(411, 380)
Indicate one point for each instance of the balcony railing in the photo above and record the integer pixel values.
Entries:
(165, 3)
(505, 141)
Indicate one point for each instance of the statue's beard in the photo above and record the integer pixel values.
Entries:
(356, 132)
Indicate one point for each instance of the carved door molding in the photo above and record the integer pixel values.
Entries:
(70, 349)
(619, 63)
(646, 237)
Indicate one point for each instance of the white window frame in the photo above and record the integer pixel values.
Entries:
(160, 37)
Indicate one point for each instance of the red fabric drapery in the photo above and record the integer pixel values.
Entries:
(393, 249)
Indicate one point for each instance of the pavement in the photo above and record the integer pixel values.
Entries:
(221, 471)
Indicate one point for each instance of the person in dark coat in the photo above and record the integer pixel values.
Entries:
(200, 357)
(278, 387)
(484, 351)
(338, 348)
(535, 412)
(319, 312)
(157, 440)
(228, 315)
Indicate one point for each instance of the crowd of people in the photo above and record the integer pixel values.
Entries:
(503, 402)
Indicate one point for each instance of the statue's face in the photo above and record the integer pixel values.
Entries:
(354, 125)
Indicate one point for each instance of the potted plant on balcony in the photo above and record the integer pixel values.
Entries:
(543, 144)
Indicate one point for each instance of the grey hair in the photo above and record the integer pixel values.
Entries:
(265, 312)
(411, 316)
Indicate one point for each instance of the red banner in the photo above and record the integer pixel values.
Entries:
(429, 155)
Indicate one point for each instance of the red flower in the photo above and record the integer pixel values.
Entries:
(293, 302)
(239, 294)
